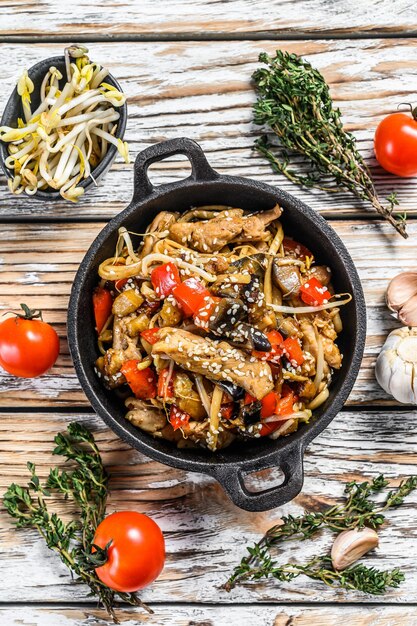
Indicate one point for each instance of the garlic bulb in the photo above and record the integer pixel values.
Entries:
(350, 545)
(402, 297)
(396, 366)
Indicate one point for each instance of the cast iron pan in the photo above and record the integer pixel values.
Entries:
(205, 186)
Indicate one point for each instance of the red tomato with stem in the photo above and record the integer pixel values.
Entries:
(136, 554)
(395, 144)
(29, 347)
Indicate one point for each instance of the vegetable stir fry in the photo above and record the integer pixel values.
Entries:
(65, 138)
(218, 327)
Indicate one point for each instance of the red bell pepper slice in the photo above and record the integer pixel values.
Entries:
(202, 315)
(178, 418)
(190, 295)
(141, 382)
(269, 403)
(226, 411)
(283, 408)
(102, 305)
(119, 284)
(292, 349)
(165, 384)
(269, 427)
(297, 249)
(164, 278)
(275, 339)
(285, 404)
(314, 293)
(151, 335)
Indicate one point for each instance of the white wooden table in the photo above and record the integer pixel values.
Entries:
(185, 66)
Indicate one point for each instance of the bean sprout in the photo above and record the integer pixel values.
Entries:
(74, 123)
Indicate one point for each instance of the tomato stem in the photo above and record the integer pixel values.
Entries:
(412, 110)
(29, 314)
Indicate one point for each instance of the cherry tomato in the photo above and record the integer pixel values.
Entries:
(136, 555)
(28, 347)
(395, 144)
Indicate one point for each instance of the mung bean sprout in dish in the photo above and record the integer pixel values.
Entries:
(60, 143)
(217, 327)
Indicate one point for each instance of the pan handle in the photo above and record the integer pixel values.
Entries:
(200, 168)
(231, 479)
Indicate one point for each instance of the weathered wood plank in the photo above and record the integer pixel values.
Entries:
(200, 17)
(38, 263)
(202, 90)
(185, 615)
(205, 533)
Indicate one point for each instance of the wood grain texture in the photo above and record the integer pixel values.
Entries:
(202, 90)
(38, 263)
(205, 533)
(199, 17)
(183, 615)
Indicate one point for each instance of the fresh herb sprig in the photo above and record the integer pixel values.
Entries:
(295, 103)
(359, 577)
(87, 486)
(357, 511)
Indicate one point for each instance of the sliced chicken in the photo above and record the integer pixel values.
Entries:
(147, 418)
(212, 235)
(216, 360)
(332, 353)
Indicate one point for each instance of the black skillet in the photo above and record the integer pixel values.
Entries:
(205, 186)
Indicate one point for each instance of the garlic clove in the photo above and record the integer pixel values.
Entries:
(351, 545)
(401, 289)
(400, 384)
(408, 312)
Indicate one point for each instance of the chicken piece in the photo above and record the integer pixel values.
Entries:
(124, 348)
(332, 353)
(253, 227)
(309, 337)
(306, 390)
(212, 235)
(324, 324)
(144, 417)
(217, 265)
(216, 360)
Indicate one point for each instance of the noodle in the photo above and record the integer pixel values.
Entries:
(268, 341)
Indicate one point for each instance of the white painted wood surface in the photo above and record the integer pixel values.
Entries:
(205, 534)
(115, 18)
(38, 263)
(201, 89)
(186, 615)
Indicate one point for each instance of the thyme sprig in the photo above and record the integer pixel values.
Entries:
(87, 486)
(359, 577)
(357, 511)
(295, 103)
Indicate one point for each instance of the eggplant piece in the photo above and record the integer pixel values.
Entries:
(226, 314)
(235, 392)
(287, 278)
(251, 413)
(321, 272)
(254, 264)
(249, 337)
